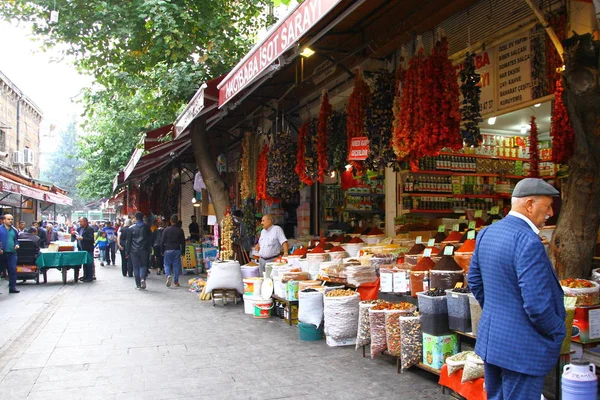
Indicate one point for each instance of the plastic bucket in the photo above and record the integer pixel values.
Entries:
(262, 308)
(309, 332)
(252, 286)
(249, 271)
(248, 304)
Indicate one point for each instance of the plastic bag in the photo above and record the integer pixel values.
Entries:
(378, 339)
(457, 361)
(412, 341)
(341, 316)
(225, 275)
(310, 308)
(363, 336)
(473, 368)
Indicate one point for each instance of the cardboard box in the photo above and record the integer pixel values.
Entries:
(437, 348)
(586, 324)
(286, 315)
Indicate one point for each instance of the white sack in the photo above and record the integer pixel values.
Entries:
(310, 308)
(225, 275)
(341, 316)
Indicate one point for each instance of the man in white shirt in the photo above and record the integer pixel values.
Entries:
(272, 239)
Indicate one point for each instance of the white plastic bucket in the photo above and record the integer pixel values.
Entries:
(252, 286)
(262, 308)
(353, 248)
(248, 304)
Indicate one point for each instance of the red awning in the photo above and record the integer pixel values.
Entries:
(205, 102)
(157, 154)
(10, 186)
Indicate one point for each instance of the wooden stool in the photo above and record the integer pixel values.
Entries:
(224, 295)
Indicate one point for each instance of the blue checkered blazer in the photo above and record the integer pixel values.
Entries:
(522, 324)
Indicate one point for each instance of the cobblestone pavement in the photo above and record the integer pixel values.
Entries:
(105, 340)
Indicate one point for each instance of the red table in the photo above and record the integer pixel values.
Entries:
(472, 390)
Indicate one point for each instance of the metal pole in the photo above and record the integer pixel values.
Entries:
(548, 29)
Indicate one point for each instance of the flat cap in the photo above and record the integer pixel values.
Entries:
(534, 187)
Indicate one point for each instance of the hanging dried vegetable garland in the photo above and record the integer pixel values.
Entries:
(301, 155)
(534, 152)
(337, 149)
(471, 112)
(558, 22)
(282, 182)
(398, 87)
(561, 130)
(246, 184)
(378, 122)
(446, 122)
(409, 123)
(227, 233)
(357, 104)
(261, 176)
(323, 133)
(249, 219)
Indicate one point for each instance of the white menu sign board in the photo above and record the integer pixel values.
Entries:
(515, 83)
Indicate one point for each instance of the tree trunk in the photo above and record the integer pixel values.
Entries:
(576, 233)
(208, 168)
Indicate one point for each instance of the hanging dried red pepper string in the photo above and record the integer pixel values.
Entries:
(400, 77)
(357, 104)
(261, 176)
(534, 153)
(301, 162)
(323, 129)
(561, 130)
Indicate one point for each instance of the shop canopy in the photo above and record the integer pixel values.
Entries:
(153, 153)
(8, 185)
(204, 103)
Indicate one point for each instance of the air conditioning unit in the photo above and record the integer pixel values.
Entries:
(28, 153)
(18, 158)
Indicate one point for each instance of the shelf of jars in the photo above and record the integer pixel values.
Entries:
(447, 204)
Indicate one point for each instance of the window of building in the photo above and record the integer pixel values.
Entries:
(2, 140)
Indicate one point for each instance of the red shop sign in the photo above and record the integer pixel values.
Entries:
(359, 148)
(284, 37)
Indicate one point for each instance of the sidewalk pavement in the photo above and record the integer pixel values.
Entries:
(106, 340)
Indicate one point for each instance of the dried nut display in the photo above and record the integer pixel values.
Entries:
(340, 293)
(392, 332)
(412, 341)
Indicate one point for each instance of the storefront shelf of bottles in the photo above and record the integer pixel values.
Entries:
(484, 156)
(364, 211)
(365, 194)
(415, 211)
(459, 196)
(454, 173)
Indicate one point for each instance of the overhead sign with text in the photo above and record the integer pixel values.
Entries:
(279, 41)
(359, 148)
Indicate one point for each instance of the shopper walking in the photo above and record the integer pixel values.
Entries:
(85, 242)
(111, 238)
(270, 243)
(126, 266)
(9, 244)
(522, 323)
(139, 243)
(102, 245)
(157, 253)
(173, 246)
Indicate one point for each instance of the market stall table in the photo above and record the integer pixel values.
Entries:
(63, 261)
(288, 305)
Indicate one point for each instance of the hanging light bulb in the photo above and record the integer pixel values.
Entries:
(523, 128)
(492, 120)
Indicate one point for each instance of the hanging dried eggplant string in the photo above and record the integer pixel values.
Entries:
(561, 130)
(447, 123)
(337, 150)
(471, 112)
(534, 152)
(323, 133)
(310, 155)
(357, 104)
(378, 122)
(282, 182)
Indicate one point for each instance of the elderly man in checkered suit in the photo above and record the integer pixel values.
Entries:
(522, 323)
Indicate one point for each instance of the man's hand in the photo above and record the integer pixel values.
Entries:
(16, 246)
(257, 247)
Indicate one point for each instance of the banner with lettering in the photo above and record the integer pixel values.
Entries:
(359, 148)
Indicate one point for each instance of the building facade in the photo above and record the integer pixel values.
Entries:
(20, 120)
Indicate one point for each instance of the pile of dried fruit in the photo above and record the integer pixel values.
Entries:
(340, 293)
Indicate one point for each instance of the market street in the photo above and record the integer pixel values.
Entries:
(106, 340)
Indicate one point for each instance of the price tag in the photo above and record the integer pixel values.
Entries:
(478, 213)
(462, 217)
(471, 235)
(448, 250)
(431, 243)
(419, 239)
(455, 227)
(427, 253)
(495, 210)
(458, 285)
(472, 225)
(442, 228)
